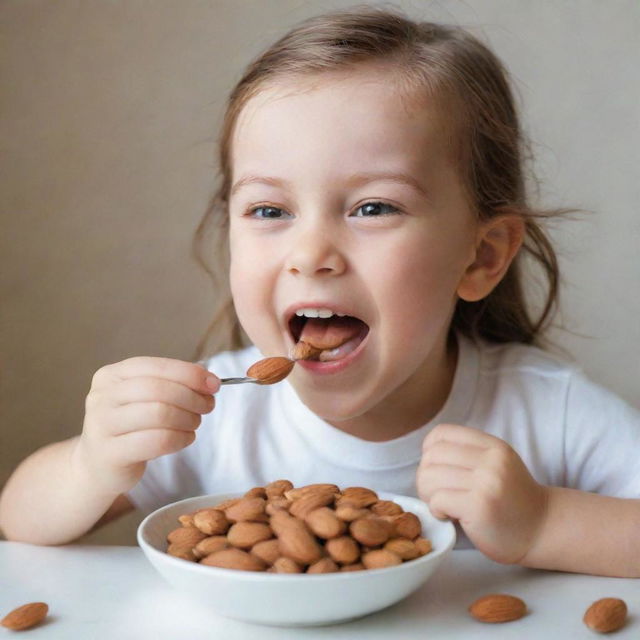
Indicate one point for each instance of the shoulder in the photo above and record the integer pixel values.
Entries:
(516, 359)
(546, 379)
(523, 380)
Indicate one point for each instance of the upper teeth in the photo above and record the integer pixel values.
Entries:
(311, 312)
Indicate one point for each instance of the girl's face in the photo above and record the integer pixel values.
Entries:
(345, 198)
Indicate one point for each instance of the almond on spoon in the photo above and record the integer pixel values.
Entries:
(270, 370)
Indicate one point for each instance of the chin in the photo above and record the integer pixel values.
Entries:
(331, 408)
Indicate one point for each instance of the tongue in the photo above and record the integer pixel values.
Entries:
(329, 334)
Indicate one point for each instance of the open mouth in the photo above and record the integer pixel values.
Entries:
(336, 336)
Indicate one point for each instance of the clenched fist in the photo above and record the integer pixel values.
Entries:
(479, 480)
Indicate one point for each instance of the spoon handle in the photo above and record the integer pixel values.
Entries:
(236, 380)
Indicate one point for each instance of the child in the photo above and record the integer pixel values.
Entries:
(373, 197)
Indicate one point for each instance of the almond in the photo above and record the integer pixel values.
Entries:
(386, 508)
(296, 541)
(186, 520)
(234, 559)
(380, 558)
(324, 565)
(300, 492)
(404, 547)
(256, 492)
(407, 525)
(246, 509)
(210, 545)
(245, 534)
(277, 504)
(286, 565)
(225, 504)
(182, 550)
(277, 488)
(349, 513)
(358, 497)
(26, 616)
(358, 566)
(211, 522)
(271, 370)
(423, 546)
(303, 506)
(344, 549)
(305, 351)
(267, 550)
(498, 607)
(606, 615)
(370, 532)
(186, 535)
(324, 523)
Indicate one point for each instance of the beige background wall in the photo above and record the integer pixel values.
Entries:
(108, 122)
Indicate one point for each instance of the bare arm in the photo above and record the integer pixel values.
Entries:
(51, 500)
(588, 533)
(483, 483)
(121, 506)
(136, 410)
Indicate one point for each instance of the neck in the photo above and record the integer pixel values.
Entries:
(411, 405)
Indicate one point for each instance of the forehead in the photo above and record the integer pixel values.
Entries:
(344, 118)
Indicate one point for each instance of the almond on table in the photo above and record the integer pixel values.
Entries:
(498, 607)
(26, 616)
(606, 615)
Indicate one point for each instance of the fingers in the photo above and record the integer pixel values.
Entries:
(188, 374)
(458, 434)
(447, 490)
(159, 390)
(448, 453)
(450, 503)
(446, 473)
(135, 446)
(141, 416)
(435, 478)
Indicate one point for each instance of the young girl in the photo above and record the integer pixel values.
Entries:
(372, 196)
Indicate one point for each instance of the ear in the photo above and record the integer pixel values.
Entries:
(497, 243)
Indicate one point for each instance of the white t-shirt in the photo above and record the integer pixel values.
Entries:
(568, 431)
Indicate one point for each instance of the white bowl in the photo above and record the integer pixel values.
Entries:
(285, 599)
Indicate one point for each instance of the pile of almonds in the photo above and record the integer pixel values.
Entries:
(312, 529)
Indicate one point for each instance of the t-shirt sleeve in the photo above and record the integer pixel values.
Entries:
(602, 441)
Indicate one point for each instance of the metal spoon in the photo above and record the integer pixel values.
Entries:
(239, 380)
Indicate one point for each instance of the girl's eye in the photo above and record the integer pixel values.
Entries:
(372, 209)
(267, 213)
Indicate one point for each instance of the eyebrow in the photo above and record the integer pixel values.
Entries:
(268, 180)
(356, 180)
(361, 179)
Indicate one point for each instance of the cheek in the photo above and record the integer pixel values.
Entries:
(241, 276)
(244, 267)
(252, 283)
(418, 288)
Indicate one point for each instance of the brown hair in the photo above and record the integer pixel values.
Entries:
(439, 61)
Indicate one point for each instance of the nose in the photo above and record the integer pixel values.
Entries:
(315, 252)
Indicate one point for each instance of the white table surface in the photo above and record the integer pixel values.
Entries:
(113, 593)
